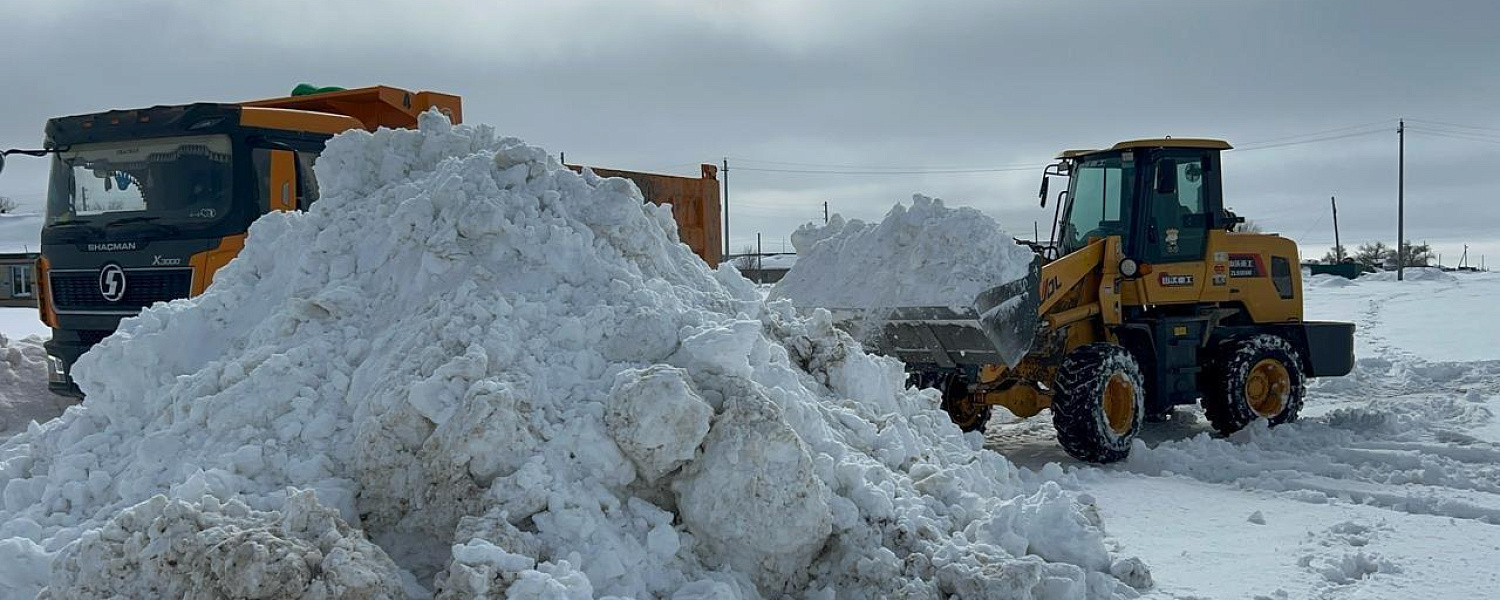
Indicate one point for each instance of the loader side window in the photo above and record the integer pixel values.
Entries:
(1281, 277)
(1098, 202)
(1177, 228)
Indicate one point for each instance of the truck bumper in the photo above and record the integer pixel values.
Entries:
(62, 351)
(1328, 348)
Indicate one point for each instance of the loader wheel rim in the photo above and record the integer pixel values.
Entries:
(1119, 403)
(1267, 387)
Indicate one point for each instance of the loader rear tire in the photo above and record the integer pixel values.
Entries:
(1258, 377)
(967, 414)
(960, 406)
(1099, 403)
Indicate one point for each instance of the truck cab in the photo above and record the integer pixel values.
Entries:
(146, 205)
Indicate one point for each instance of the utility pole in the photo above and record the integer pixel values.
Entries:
(1401, 201)
(1338, 249)
(825, 212)
(726, 206)
(760, 274)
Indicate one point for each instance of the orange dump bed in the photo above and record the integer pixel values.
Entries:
(695, 202)
(695, 205)
(375, 107)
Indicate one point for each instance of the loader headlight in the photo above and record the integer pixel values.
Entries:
(1129, 268)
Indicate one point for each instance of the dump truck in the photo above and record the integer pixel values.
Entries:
(145, 205)
(1144, 298)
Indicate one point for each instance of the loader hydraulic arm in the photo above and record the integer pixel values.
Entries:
(1064, 274)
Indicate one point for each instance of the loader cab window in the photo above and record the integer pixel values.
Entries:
(1182, 185)
(1099, 199)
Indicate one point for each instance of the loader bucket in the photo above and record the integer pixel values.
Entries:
(997, 329)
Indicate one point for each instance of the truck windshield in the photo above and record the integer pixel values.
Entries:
(181, 180)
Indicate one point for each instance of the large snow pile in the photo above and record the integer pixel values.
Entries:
(517, 383)
(23, 385)
(923, 255)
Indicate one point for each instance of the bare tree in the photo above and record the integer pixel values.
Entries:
(1374, 255)
(8, 205)
(1418, 255)
(747, 259)
(1336, 255)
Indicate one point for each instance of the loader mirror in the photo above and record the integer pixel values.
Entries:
(1042, 194)
(1166, 176)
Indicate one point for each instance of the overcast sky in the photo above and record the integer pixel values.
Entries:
(798, 85)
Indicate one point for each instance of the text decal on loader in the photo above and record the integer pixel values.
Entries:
(1170, 280)
(1245, 265)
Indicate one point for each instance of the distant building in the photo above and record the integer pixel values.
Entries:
(18, 279)
(765, 268)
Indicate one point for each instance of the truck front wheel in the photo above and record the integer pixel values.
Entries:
(1259, 377)
(1099, 402)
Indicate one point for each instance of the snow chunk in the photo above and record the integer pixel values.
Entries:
(753, 495)
(1132, 571)
(165, 548)
(23, 385)
(657, 418)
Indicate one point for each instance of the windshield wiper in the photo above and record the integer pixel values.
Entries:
(73, 224)
(170, 229)
(141, 219)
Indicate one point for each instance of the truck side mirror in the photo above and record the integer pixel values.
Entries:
(1166, 176)
(1043, 193)
(2, 162)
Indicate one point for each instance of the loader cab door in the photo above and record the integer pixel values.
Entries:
(1182, 189)
(1101, 196)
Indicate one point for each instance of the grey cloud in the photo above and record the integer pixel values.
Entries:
(938, 85)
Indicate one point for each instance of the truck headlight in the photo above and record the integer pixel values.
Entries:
(57, 372)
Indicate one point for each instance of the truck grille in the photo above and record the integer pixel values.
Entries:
(78, 291)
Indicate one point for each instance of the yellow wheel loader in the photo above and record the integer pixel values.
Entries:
(1144, 299)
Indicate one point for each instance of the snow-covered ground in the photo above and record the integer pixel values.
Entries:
(1389, 487)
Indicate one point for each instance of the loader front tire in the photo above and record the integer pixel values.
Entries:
(1258, 377)
(1099, 402)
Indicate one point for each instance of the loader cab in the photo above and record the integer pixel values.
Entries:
(1161, 196)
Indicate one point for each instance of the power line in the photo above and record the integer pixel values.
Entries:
(1456, 135)
(1310, 141)
(914, 172)
(874, 167)
(1383, 123)
(1496, 129)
